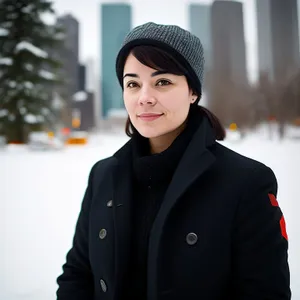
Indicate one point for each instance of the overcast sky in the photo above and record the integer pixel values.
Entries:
(160, 11)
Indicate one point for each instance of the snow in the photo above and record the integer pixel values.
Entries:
(80, 96)
(31, 48)
(12, 84)
(41, 195)
(6, 61)
(31, 119)
(57, 102)
(60, 36)
(47, 75)
(3, 32)
(28, 67)
(28, 84)
(3, 112)
(28, 9)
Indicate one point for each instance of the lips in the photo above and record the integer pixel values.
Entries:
(149, 117)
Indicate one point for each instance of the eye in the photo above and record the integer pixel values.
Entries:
(163, 82)
(131, 85)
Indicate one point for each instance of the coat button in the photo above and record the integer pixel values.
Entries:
(102, 233)
(192, 238)
(109, 203)
(103, 285)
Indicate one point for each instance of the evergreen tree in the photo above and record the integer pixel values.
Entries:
(27, 67)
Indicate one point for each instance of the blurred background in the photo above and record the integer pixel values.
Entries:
(61, 110)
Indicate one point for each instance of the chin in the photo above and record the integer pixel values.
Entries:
(150, 133)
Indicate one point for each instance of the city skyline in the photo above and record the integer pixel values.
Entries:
(146, 10)
(228, 42)
(278, 38)
(153, 10)
(116, 22)
(221, 26)
(79, 110)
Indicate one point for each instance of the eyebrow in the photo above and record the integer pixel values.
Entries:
(156, 73)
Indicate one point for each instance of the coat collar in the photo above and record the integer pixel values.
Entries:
(195, 161)
(203, 138)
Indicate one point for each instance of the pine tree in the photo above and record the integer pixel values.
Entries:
(27, 68)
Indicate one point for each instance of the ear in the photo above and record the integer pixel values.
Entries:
(194, 97)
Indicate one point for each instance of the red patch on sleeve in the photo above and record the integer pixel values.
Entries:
(283, 228)
(274, 202)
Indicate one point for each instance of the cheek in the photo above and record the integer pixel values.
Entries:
(128, 102)
(177, 103)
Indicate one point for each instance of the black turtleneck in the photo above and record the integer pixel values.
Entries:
(152, 175)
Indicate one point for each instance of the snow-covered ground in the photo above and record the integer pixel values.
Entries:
(41, 193)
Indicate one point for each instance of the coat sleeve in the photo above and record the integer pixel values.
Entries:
(76, 281)
(260, 248)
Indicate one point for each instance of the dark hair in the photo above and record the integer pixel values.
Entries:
(159, 59)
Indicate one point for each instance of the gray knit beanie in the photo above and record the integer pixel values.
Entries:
(186, 46)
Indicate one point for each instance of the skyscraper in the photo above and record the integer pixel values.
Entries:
(228, 42)
(71, 26)
(200, 25)
(82, 77)
(70, 54)
(115, 24)
(278, 38)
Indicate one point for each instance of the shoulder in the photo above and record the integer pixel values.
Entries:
(99, 175)
(241, 168)
(236, 161)
(102, 167)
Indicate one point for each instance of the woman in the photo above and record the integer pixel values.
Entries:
(174, 214)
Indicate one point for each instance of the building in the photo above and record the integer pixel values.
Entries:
(71, 27)
(82, 78)
(70, 54)
(200, 26)
(299, 20)
(116, 22)
(278, 38)
(83, 109)
(90, 76)
(228, 42)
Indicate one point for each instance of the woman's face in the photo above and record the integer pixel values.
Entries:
(157, 103)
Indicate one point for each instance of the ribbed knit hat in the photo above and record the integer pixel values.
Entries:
(185, 47)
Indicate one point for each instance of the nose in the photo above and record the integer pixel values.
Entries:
(146, 97)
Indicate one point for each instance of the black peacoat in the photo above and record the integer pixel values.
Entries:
(219, 233)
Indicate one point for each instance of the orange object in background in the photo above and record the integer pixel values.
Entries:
(77, 138)
(76, 123)
(50, 134)
(76, 141)
(233, 127)
(297, 121)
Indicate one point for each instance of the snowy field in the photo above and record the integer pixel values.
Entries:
(41, 193)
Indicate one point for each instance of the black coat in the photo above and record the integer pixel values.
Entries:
(219, 234)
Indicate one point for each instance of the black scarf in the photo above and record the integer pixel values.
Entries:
(152, 175)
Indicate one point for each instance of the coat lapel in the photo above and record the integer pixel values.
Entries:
(122, 203)
(196, 160)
